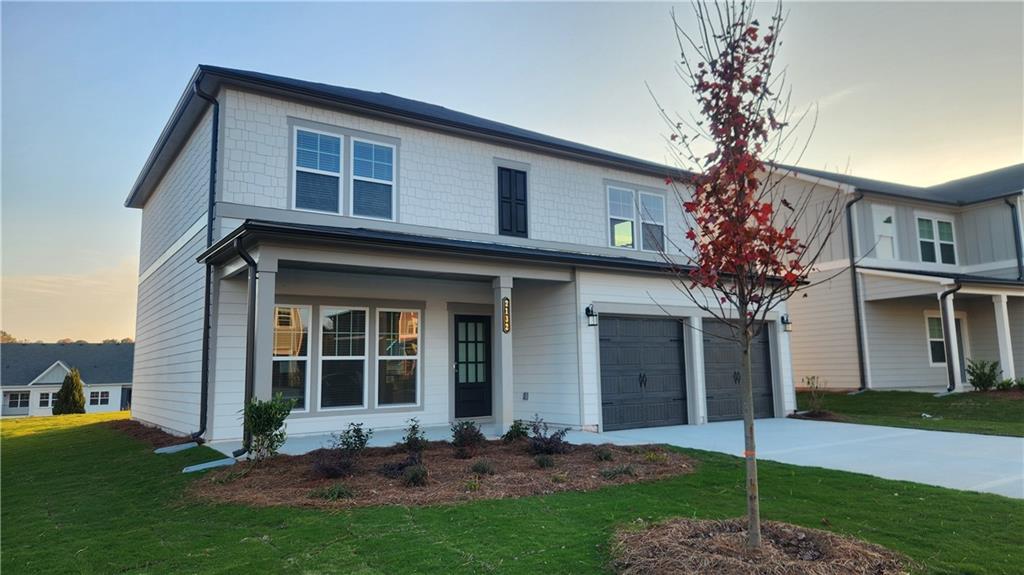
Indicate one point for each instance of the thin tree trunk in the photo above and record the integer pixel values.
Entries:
(749, 452)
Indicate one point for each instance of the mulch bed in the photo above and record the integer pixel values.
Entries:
(145, 433)
(1017, 394)
(290, 480)
(707, 546)
(823, 415)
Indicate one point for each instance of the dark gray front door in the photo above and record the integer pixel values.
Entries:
(642, 383)
(472, 366)
(722, 359)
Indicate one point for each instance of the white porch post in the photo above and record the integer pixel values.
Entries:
(952, 342)
(266, 280)
(503, 375)
(700, 400)
(1003, 336)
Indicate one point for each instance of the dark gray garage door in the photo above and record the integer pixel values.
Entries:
(722, 358)
(642, 383)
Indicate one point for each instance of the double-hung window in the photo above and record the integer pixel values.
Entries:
(373, 180)
(16, 400)
(652, 222)
(936, 341)
(621, 216)
(884, 221)
(291, 353)
(99, 398)
(317, 171)
(398, 355)
(936, 240)
(343, 349)
(44, 400)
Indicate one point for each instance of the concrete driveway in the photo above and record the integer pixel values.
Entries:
(958, 460)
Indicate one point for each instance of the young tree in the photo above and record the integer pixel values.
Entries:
(742, 222)
(71, 397)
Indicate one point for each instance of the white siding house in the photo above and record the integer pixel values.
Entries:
(33, 373)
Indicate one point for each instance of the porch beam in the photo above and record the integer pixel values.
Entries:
(503, 355)
(1003, 336)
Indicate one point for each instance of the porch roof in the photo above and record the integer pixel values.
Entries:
(252, 232)
(953, 277)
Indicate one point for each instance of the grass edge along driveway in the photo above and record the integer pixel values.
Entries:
(79, 497)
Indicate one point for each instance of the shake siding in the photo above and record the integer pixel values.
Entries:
(824, 338)
(545, 352)
(898, 344)
(169, 321)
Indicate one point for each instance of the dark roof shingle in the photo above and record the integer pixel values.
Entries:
(97, 362)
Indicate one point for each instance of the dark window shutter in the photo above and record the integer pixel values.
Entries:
(512, 202)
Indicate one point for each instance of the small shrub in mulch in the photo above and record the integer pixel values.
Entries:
(516, 432)
(544, 461)
(414, 476)
(396, 469)
(617, 471)
(145, 433)
(603, 454)
(543, 441)
(332, 492)
(708, 546)
(482, 467)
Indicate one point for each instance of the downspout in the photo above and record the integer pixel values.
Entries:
(951, 377)
(250, 341)
(858, 319)
(1015, 217)
(204, 393)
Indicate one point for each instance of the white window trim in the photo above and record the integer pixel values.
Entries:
(352, 178)
(104, 398)
(19, 395)
(608, 219)
(324, 310)
(963, 335)
(94, 395)
(935, 219)
(377, 358)
(44, 396)
(309, 345)
(876, 210)
(644, 219)
(295, 168)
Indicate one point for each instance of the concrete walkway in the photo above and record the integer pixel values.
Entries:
(958, 460)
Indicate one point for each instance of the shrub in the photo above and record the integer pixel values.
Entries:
(467, 435)
(472, 485)
(655, 457)
(1019, 383)
(541, 441)
(332, 492)
(983, 375)
(353, 440)
(265, 421)
(603, 454)
(1005, 384)
(333, 463)
(517, 431)
(559, 477)
(396, 469)
(414, 476)
(618, 471)
(414, 440)
(816, 392)
(482, 467)
(544, 461)
(71, 397)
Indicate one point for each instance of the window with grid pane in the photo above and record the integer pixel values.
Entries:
(373, 177)
(936, 341)
(398, 352)
(291, 354)
(621, 216)
(937, 241)
(317, 171)
(652, 222)
(342, 357)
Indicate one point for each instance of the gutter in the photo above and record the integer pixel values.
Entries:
(951, 377)
(1016, 238)
(855, 285)
(250, 340)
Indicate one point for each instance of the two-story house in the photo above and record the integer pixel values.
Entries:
(376, 258)
(911, 267)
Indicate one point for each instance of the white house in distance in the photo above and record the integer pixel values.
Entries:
(377, 258)
(32, 374)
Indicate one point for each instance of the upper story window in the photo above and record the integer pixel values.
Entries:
(373, 191)
(512, 202)
(884, 223)
(629, 210)
(936, 240)
(317, 171)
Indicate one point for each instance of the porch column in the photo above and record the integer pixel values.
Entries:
(699, 402)
(503, 377)
(952, 342)
(1003, 336)
(266, 281)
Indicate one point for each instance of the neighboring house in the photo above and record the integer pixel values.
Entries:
(925, 260)
(413, 261)
(32, 374)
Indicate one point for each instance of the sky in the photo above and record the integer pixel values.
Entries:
(916, 93)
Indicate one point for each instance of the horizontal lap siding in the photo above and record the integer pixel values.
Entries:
(228, 358)
(898, 344)
(545, 352)
(823, 342)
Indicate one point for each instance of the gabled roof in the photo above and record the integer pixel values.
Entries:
(98, 363)
(1004, 182)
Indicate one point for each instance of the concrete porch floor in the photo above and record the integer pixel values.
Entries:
(956, 460)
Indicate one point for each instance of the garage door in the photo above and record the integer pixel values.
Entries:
(642, 383)
(722, 359)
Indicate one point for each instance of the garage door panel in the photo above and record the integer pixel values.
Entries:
(723, 358)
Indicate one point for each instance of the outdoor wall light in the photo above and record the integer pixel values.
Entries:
(591, 315)
(786, 324)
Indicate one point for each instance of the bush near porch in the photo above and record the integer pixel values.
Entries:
(72, 482)
(989, 413)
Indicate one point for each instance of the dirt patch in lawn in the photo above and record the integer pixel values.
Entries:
(1011, 394)
(823, 415)
(290, 480)
(706, 546)
(145, 433)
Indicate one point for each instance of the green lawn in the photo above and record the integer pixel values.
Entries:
(973, 412)
(78, 497)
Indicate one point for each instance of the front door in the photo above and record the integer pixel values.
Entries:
(472, 366)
